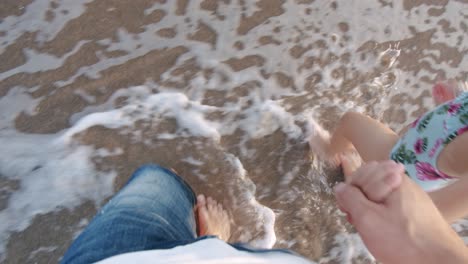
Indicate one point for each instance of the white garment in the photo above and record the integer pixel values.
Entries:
(205, 251)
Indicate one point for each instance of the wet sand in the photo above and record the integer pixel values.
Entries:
(318, 64)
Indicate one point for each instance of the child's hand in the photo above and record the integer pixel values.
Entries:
(444, 91)
(376, 179)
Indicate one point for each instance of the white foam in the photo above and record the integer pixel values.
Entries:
(37, 62)
(189, 115)
(17, 100)
(347, 248)
(265, 216)
(52, 176)
(33, 254)
(53, 173)
(33, 20)
(87, 97)
(193, 161)
(267, 118)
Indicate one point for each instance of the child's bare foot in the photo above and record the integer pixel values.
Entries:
(350, 162)
(319, 143)
(212, 218)
(444, 91)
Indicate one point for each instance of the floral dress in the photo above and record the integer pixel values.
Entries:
(420, 147)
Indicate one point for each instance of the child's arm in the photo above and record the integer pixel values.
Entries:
(452, 201)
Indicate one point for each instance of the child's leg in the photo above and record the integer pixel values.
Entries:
(452, 158)
(372, 139)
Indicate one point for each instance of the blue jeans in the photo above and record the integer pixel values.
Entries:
(154, 210)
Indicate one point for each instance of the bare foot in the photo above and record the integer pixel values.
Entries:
(443, 92)
(212, 218)
(350, 162)
(319, 143)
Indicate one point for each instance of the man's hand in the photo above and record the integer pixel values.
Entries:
(396, 219)
(377, 179)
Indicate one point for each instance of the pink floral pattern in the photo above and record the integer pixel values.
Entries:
(436, 146)
(453, 108)
(419, 146)
(429, 134)
(425, 172)
(462, 130)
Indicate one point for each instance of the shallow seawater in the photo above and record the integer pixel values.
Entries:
(223, 91)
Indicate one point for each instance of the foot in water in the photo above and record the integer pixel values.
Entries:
(212, 218)
(319, 143)
(319, 140)
(350, 162)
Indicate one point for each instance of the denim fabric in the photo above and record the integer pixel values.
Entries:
(153, 211)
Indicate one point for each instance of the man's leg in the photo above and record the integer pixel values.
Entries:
(153, 211)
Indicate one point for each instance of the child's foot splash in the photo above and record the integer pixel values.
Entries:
(319, 143)
(350, 162)
(212, 218)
